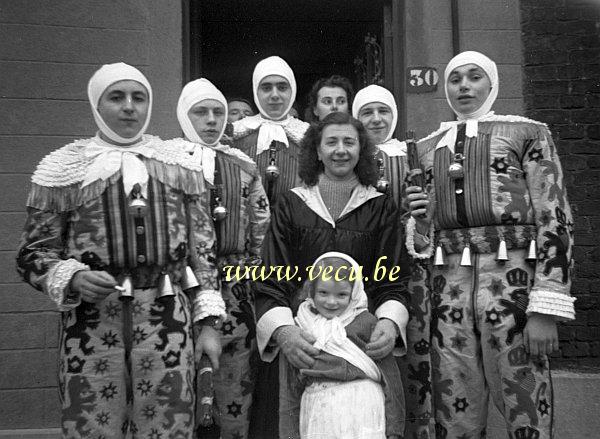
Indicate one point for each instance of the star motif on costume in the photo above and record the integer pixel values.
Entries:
(112, 310)
(494, 343)
(154, 434)
(245, 191)
(546, 217)
(262, 203)
(456, 314)
(75, 364)
(496, 287)
(247, 387)
(145, 364)
(139, 335)
(234, 409)
(460, 404)
(230, 348)
(421, 347)
(199, 224)
(172, 359)
(101, 366)
(102, 418)
(133, 427)
(109, 339)
(493, 316)
(458, 342)
(412, 389)
(455, 291)
(189, 359)
(536, 155)
(543, 407)
(144, 386)
(137, 308)
(227, 328)
(109, 391)
(149, 412)
(500, 165)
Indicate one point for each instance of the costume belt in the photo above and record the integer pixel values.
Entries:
(148, 276)
(486, 239)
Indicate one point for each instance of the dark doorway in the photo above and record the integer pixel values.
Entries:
(317, 38)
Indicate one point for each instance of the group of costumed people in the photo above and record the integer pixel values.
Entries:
(134, 239)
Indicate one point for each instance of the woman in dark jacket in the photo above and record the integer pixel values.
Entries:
(336, 209)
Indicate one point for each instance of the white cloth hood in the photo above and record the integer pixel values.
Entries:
(375, 93)
(273, 65)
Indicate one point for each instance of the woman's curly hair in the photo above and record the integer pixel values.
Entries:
(332, 81)
(309, 165)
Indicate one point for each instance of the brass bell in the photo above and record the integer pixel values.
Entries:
(272, 172)
(465, 260)
(188, 279)
(382, 185)
(126, 289)
(219, 212)
(502, 254)
(138, 207)
(438, 261)
(532, 253)
(456, 171)
(165, 287)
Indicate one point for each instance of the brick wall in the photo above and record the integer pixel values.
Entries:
(49, 50)
(561, 44)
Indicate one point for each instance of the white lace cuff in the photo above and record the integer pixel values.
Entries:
(208, 303)
(555, 304)
(57, 283)
(411, 231)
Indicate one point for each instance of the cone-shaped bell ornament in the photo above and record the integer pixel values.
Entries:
(502, 254)
(165, 287)
(465, 261)
(439, 261)
(126, 288)
(188, 279)
(532, 253)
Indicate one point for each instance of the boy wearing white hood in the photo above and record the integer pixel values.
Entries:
(272, 137)
(241, 215)
(109, 239)
(502, 269)
(376, 109)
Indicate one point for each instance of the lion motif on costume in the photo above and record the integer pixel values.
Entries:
(169, 394)
(82, 399)
(87, 315)
(162, 313)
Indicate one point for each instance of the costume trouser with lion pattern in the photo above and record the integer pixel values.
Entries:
(148, 394)
(478, 317)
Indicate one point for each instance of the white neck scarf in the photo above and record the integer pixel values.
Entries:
(269, 129)
(331, 333)
(471, 120)
(108, 158)
(194, 92)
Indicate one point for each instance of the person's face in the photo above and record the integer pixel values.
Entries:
(339, 150)
(238, 110)
(332, 297)
(274, 95)
(468, 87)
(124, 107)
(330, 99)
(377, 119)
(208, 117)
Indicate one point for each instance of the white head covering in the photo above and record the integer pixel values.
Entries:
(375, 93)
(194, 92)
(104, 77)
(331, 333)
(273, 65)
(488, 66)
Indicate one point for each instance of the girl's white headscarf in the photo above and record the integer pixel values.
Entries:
(104, 77)
(375, 93)
(470, 119)
(331, 333)
(488, 66)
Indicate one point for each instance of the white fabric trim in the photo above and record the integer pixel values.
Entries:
(393, 148)
(58, 279)
(266, 326)
(204, 157)
(411, 232)
(397, 313)
(547, 302)
(208, 303)
(294, 129)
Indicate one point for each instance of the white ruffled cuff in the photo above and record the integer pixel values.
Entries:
(555, 304)
(266, 326)
(57, 283)
(411, 231)
(208, 303)
(397, 313)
